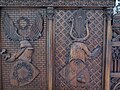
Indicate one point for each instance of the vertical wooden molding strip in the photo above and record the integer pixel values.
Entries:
(108, 53)
(104, 49)
(0, 56)
(50, 60)
(0, 74)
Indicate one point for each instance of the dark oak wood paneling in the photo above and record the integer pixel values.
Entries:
(55, 45)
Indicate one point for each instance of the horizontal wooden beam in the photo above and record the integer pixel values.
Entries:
(57, 3)
(116, 25)
(115, 43)
(115, 74)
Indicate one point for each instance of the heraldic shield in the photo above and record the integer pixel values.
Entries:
(23, 73)
(77, 71)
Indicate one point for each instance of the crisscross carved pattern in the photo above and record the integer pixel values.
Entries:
(63, 43)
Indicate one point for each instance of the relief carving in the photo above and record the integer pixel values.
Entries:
(76, 71)
(117, 86)
(23, 71)
(116, 36)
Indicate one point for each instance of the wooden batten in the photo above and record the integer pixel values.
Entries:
(108, 54)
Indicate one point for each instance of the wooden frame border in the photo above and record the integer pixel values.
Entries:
(50, 48)
(106, 47)
(108, 51)
(0, 57)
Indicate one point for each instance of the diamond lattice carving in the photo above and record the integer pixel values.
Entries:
(63, 43)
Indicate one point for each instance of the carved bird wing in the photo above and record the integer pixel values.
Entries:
(9, 28)
(36, 28)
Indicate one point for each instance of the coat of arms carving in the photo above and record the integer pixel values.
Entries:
(76, 71)
(23, 71)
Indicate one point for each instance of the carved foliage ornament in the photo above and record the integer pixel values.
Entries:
(23, 71)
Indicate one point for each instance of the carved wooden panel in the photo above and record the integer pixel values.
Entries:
(115, 62)
(38, 57)
(63, 44)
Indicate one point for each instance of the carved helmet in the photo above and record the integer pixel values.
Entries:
(25, 43)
